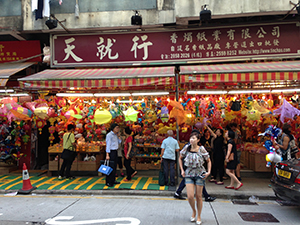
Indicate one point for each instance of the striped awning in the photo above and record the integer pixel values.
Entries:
(99, 78)
(246, 72)
(9, 69)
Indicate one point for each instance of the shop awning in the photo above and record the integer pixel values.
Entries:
(241, 72)
(99, 78)
(9, 69)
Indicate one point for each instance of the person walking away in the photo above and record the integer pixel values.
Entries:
(178, 192)
(69, 153)
(120, 156)
(218, 155)
(128, 145)
(195, 174)
(169, 147)
(112, 145)
(238, 142)
(287, 143)
(231, 163)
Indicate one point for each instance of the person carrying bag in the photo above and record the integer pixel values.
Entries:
(69, 153)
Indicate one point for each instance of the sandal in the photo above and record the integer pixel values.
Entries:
(126, 180)
(212, 180)
(133, 174)
(219, 183)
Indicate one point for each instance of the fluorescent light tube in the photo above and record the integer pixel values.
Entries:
(74, 95)
(150, 93)
(285, 90)
(6, 90)
(18, 95)
(111, 94)
(215, 92)
(248, 91)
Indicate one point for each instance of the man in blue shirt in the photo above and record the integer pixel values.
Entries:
(112, 145)
(169, 147)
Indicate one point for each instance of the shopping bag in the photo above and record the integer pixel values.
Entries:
(161, 176)
(105, 169)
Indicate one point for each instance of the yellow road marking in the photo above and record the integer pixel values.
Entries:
(78, 186)
(136, 183)
(45, 182)
(162, 188)
(58, 183)
(99, 181)
(9, 181)
(149, 181)
(8, 187)
(67, 185)
(3, 179)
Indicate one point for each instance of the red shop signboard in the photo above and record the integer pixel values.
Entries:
(18, 50)
(143, 48)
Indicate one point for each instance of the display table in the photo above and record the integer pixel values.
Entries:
(79, 164)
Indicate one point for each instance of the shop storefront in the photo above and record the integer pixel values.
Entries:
(97, 79)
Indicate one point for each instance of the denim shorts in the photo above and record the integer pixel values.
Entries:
(195, 180)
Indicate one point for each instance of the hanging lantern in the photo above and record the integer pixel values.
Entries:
(40, 124)
(51, 131)
(25, 139)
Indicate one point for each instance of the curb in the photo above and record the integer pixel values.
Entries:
(123, 192)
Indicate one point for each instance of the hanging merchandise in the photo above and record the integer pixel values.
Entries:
(131, 115)
(286, 110)
(102, 116)
(40, 124)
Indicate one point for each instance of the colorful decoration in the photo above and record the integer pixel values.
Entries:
(286, 110)
(102, 116)
(131, 114)
(270, 134)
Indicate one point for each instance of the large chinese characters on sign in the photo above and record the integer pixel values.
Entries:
(224, 43)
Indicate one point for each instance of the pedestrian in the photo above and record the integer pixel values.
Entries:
(195, 174)
(69, 153)
(206, 140)
(231, 161)
(178, 192)
(120, 156)
(287, 143)
(169, 147)
(238, 142)
(128, 145)
(218, 156)
(112, 145)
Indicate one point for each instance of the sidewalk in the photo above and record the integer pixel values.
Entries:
(256, 184)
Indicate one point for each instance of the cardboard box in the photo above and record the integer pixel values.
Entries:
(87, 166)
(142, 166)
(246, 161)
(53, 165)
(260, 163)
(154, 167)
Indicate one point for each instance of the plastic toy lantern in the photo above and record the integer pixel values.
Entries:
(40, 124)
(25, 139)
(51, 131)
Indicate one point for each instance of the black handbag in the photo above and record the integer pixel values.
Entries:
(68, 155)
(161, 176)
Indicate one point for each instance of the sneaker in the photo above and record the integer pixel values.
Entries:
(116, 175)
(122, 175)
(210, 199)
(60, 178)
(177, 196)
(70, 178)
